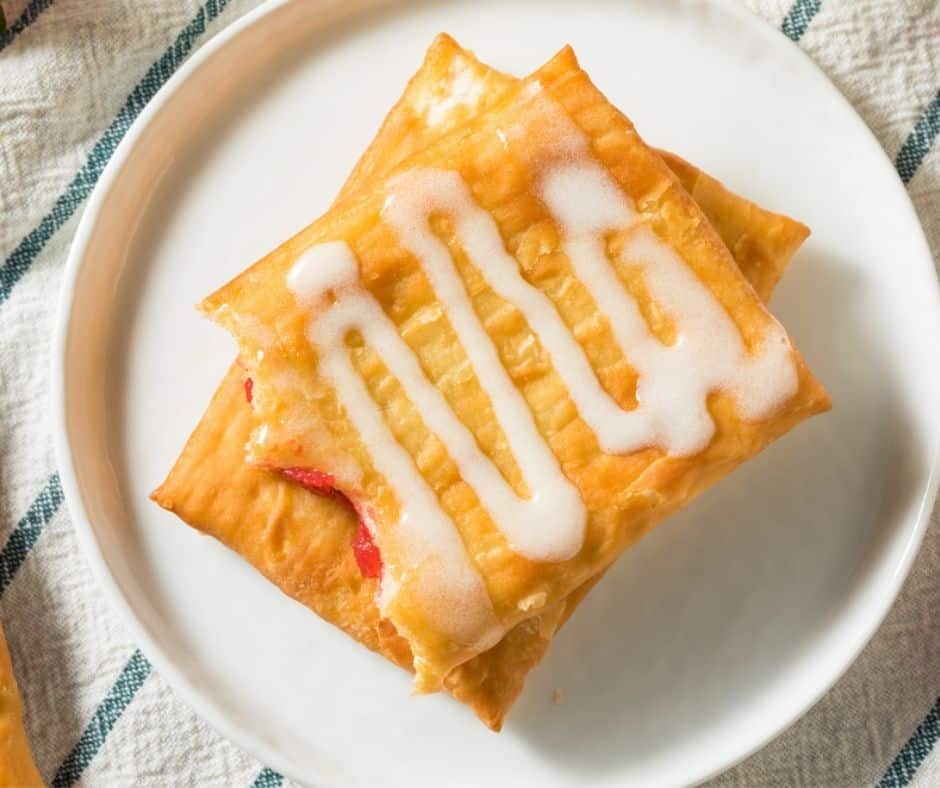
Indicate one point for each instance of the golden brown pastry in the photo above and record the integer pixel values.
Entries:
(301, 541)
(514, 355)
(453, 86)
(17, 769)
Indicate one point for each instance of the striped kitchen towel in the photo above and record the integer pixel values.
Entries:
(74, 74)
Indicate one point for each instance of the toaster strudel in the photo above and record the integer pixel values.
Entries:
(477, 302)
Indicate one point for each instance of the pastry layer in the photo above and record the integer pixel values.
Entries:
(373, 274)
(299, 540)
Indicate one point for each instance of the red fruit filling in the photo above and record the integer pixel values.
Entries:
(249, 385)
(313, 480)
(365, 550)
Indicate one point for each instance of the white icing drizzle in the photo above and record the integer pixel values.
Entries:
(425, 532)
(547, 526)
(674, 381)
(708, 353)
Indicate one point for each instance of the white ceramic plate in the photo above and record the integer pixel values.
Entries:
(717, 630)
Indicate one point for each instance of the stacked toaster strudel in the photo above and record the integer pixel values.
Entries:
(518, 340)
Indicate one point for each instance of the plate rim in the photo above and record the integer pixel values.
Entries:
(852, 644)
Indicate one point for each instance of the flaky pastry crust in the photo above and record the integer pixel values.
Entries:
(301, 541)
